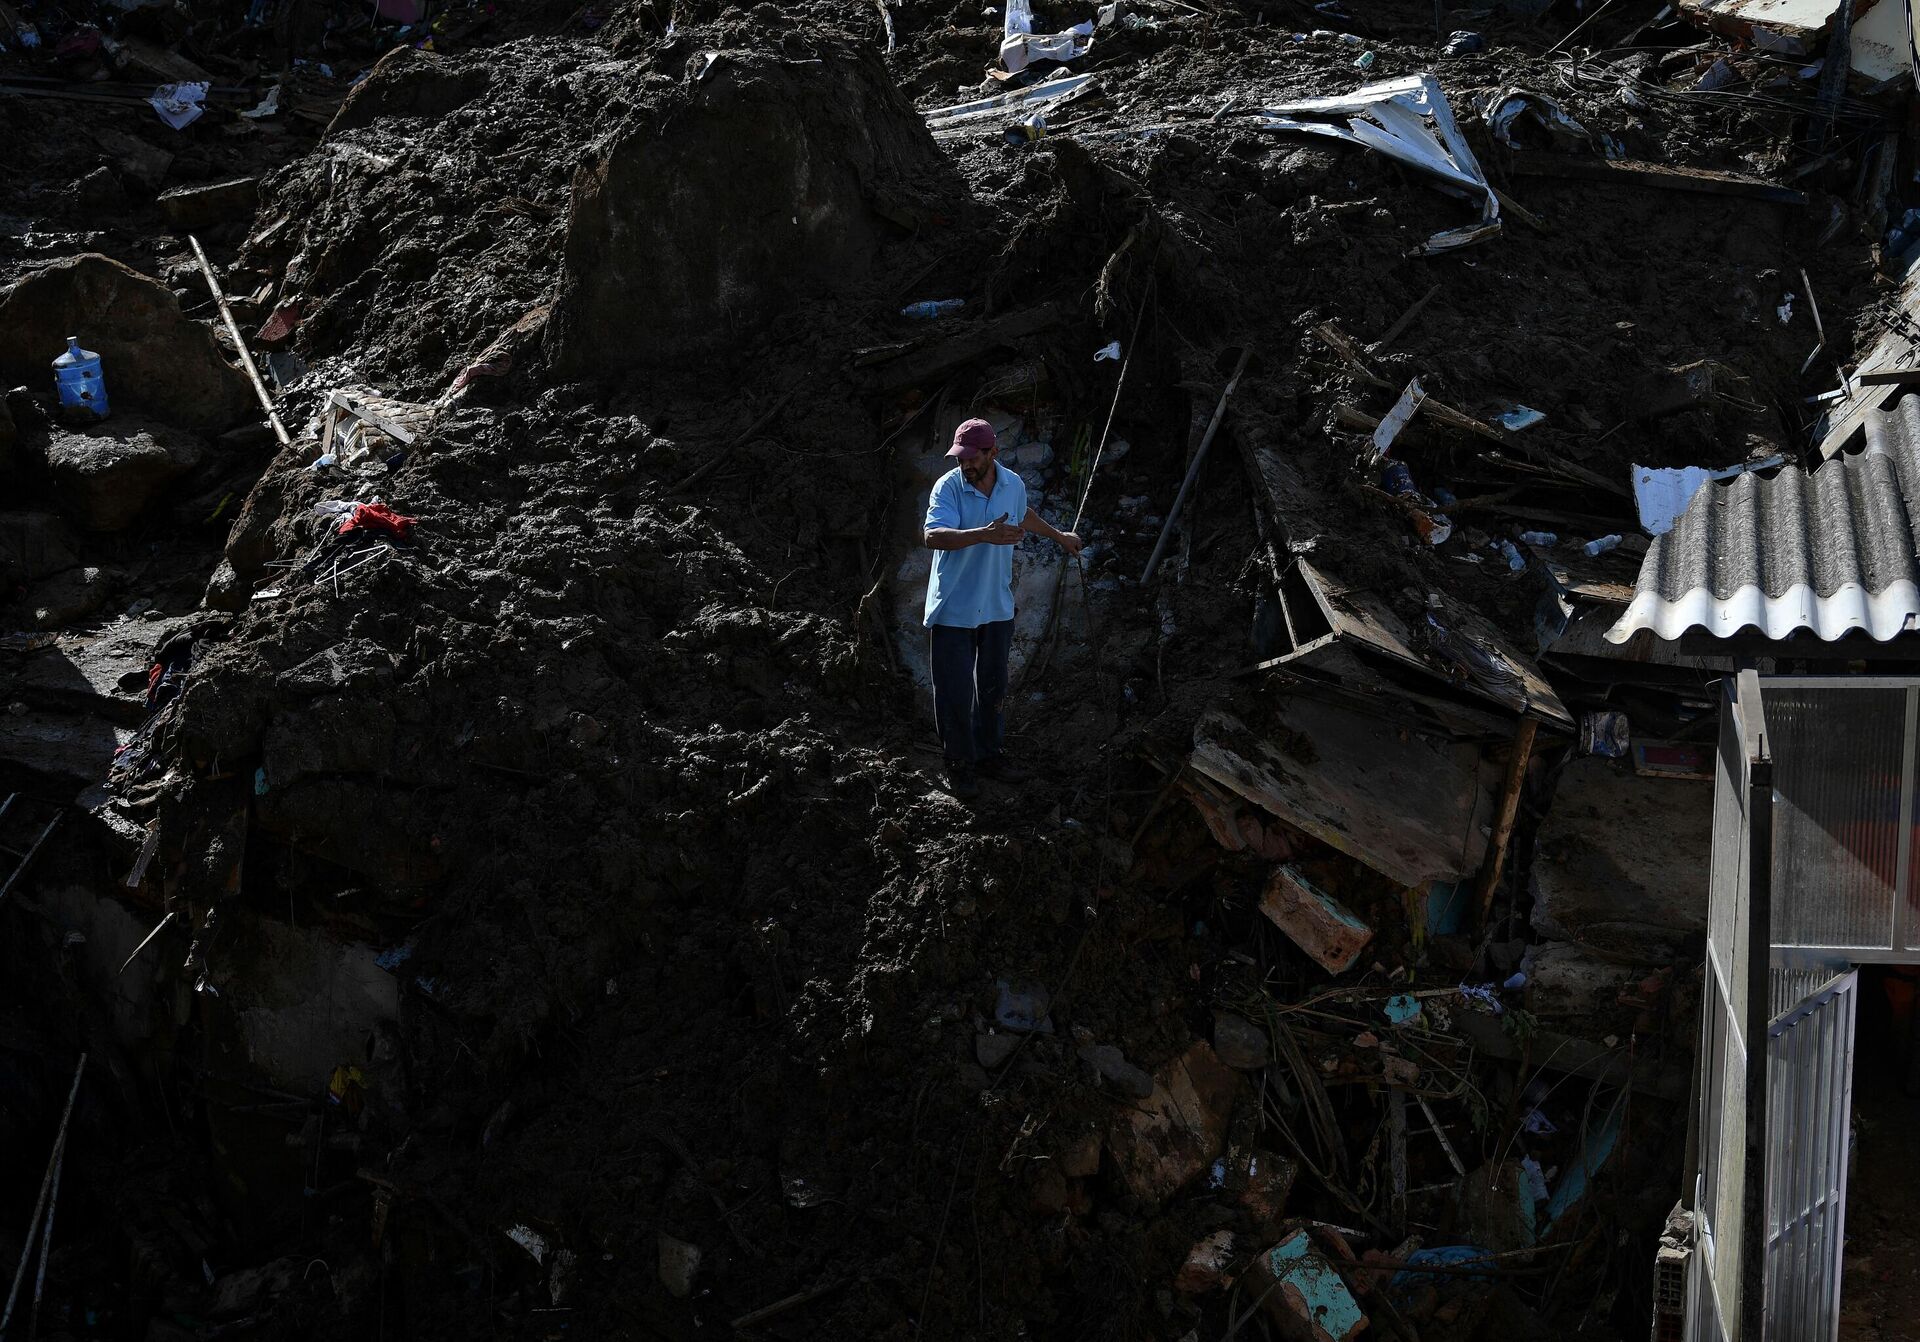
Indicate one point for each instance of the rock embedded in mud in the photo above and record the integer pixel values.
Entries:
(108, 474)
(152, 354)
(993, 1049)
(1240, 1043)
(1115, 1072)
(679, 1265)
(215, 203)
(67, 597)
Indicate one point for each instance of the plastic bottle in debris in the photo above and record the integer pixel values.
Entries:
(1433, 527)
(1026, 132)
(928, 309)
(1600, 546)
(78, 383)
(1546, 540)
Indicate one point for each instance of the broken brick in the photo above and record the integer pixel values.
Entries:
(1318, 923)
(1303, 1293)
(1208, 1265)
(1165, 1140)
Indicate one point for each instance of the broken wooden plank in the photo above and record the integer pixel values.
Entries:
(1661, 176)
(1406, 319)
(1348, 352)
(1889, 377)
(940, 357)
(1521, 751)
(1361, 618)
(1509, 205)
(1407, 804)
(159, 64)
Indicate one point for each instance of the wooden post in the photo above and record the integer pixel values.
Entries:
(1522, 751)
(239, 342)
(1193, 467)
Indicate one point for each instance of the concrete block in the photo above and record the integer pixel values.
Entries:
(1318, 923)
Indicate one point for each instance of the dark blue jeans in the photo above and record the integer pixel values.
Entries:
(970, 687)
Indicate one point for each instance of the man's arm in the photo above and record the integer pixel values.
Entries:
(1001, 532)
(1066, 540)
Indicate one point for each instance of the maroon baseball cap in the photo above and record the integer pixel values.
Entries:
(971, 439)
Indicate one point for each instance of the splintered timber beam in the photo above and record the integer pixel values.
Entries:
(1521, 752)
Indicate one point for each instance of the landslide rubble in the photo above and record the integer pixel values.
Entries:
(567, 864)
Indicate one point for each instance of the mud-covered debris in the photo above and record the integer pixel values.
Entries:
(1208, 1266)
(1240, 1043)
(990, 1050)
(679, 1265)
(1174, 1134)
(1022, 1007)
(1114, 1072)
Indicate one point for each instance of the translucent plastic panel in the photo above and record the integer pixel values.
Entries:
(1838, 759)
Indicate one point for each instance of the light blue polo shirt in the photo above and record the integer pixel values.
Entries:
(974, 586)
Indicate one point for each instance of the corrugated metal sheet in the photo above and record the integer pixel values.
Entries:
(1833, 550)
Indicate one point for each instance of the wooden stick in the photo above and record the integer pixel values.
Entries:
(784, 1304)
(40, 1203)
(46, 1240)
(1406, 320)
(1520, 212)
(1193, 469)
(158, 928)
(240, 343)
(1522, 750)
(733, 446)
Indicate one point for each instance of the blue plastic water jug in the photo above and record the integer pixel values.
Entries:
(77, 380)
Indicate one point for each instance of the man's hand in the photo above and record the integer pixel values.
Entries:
(1070, 542)
(1000, 532)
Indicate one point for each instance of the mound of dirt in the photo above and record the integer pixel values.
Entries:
(760, 182)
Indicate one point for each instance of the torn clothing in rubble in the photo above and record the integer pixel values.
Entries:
(378, 517)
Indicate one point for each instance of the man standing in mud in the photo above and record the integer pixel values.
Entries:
(976, 514)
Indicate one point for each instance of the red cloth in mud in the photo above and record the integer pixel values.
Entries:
(378, 517)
